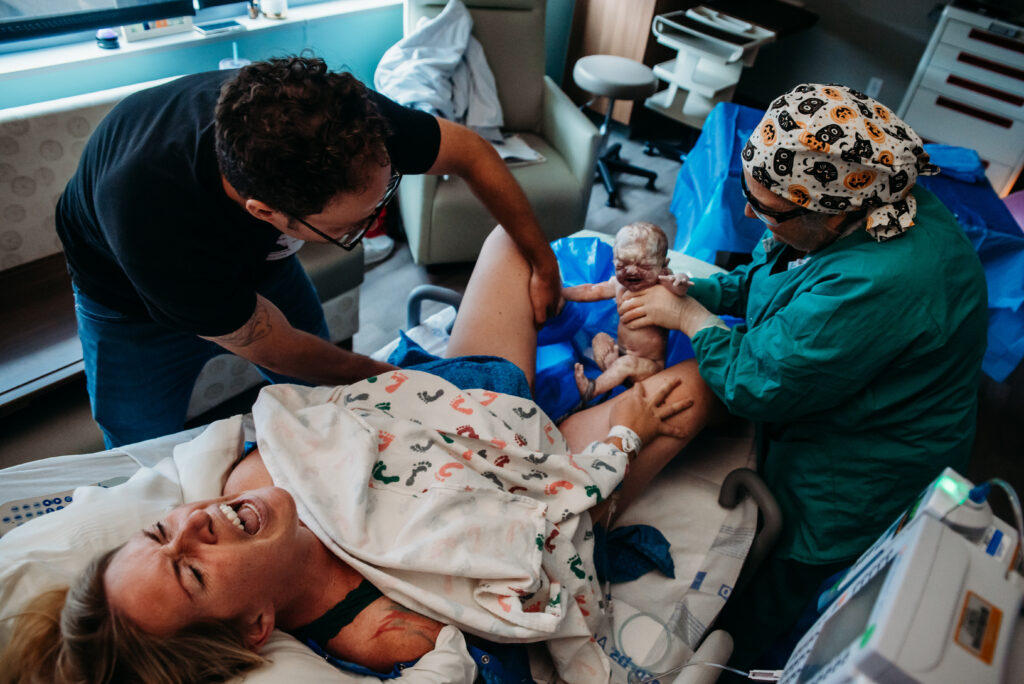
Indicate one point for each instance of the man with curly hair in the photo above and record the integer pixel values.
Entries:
(190, 200)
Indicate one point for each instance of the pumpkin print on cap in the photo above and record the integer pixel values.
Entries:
(833, 150)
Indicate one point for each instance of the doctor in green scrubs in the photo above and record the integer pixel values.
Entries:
(865, 320)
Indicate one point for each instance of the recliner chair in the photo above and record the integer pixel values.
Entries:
(443, 220)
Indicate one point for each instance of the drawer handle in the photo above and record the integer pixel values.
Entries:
(971, 111)
(1015, 100)
(998, 41)
(988, 64)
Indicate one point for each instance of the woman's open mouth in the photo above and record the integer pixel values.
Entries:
(243, 515)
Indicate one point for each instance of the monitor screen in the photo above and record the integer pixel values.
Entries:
(21, 19)
(203, 4)
(845, 626)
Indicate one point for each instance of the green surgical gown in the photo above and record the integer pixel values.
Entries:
(860, 368)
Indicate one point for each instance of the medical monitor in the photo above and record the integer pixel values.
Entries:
(934, 601)
(845, 626)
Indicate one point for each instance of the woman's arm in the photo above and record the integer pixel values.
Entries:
(582, 428)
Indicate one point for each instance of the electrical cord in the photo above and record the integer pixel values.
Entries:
(753, 675)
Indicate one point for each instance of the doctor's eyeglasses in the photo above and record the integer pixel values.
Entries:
(763, 212)
(352, 238)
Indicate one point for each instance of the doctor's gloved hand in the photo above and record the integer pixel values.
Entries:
(646, 414)
(658, 306)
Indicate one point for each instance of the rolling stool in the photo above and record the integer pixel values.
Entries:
(616, 78)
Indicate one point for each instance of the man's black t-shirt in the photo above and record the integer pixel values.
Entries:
(147, 227)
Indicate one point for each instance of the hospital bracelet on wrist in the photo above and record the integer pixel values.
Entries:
(631, 443)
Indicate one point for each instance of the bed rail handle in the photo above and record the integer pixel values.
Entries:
(745, 480)
(433, 293)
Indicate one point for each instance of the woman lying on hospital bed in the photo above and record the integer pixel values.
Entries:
(420, 504)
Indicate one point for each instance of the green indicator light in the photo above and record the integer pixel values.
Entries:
(867, 636)
(952, 487)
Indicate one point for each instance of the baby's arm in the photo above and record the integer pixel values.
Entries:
(591, 292)
(677, 284)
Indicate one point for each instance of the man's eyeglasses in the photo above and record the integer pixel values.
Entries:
(763, 212)
(352, 238)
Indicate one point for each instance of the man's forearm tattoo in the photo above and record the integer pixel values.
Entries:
(256, 328)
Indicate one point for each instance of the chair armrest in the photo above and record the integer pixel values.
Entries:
(570, 132)
(416, 204)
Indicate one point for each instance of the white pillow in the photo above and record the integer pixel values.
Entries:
(52, 550)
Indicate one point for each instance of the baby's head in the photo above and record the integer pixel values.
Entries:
(640, 255)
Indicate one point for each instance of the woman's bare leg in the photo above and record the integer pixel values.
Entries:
(580, 429)
(496, 316)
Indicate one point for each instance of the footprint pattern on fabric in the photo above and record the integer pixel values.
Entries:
(496, 480)
(430, 415)
(523, 413)
(378, 473)
(398, 379)
(417, 468)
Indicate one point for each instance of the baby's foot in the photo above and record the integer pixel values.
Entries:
(584, 384)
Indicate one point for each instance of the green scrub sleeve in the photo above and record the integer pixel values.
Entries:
(708, 292)
(723, 293)
(825, 344)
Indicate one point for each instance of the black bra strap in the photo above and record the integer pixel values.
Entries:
(327, 626)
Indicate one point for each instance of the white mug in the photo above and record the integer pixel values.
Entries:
(274, 9)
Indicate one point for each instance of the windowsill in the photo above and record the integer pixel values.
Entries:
(21, 64)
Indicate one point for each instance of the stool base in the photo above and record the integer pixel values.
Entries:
(610, 163)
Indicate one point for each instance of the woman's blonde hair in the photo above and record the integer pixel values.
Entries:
(70, 636)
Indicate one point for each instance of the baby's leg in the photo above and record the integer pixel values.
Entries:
(584, 384)
(628, 367)
(606, 352)
(624, 368)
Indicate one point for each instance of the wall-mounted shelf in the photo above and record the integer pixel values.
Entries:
(713, 47)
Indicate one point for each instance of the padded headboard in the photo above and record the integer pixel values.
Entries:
(40, 145)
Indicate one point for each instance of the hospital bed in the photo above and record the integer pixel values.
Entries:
(658, 623)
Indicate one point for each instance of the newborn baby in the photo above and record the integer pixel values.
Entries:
(640, 262)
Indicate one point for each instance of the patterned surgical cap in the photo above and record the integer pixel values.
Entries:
(832, 149)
